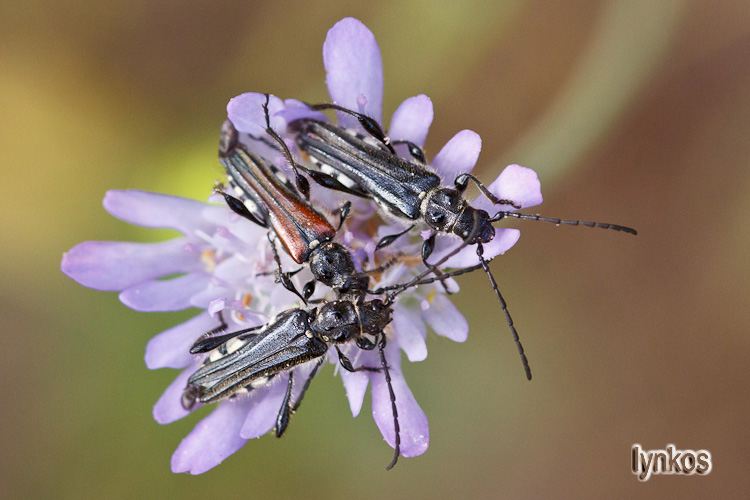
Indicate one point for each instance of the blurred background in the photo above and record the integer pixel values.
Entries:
(633, 112)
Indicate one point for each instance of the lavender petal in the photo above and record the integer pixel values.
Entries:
(203, 298)
(158, 211)
(171, 348)
(354, 70)
(214, 439)
(414, 429)
(515, 183)
(458, 156)
(169, 408)
(355, 384)
(246, 113)
(504, 239)
(445, 319)
(411, 333)
(297, 110)
(167, 295)
(263, 408)
(114, 265)
(412, 120)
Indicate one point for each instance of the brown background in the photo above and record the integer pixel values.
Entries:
(631, 112)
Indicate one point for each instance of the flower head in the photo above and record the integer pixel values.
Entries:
(224, 263)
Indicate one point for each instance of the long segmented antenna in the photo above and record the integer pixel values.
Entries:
(483, 262)
(381, 345)
(369, 124)
(427, 281)
(602, 225)
(504, 306)
(417, 279)
(302, 184)
(388, 264)
(392, 394)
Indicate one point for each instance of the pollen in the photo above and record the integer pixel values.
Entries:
(208, 259)
(246, 299)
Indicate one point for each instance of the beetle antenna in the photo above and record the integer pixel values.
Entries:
(427, 281)
(302, 184)
(602, 225)
(392, 394)
(370, 125)
(504, 306)
(417, 279)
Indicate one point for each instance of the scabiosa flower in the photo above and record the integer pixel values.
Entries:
(223, 262)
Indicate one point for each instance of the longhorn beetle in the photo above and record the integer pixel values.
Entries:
(247, 359)
(409, 190)
(244, 360)
(304, 232)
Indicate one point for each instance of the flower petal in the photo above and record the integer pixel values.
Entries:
(504, 239)
(458, 156)
(211, 441)
(410, 332)
(114, 265)
(171, 348)
(263, 408)
(515, 183)
(354, 70)
(297, 110)
(302, 374)
(169, 407)
(164, 295)
(355, 384)
(246, 113)
(412, 120)
(233, 272)
(414, 430)
(158, 211)
(445, 319)
(247, 232)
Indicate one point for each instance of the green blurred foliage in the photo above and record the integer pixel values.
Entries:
(632, 112)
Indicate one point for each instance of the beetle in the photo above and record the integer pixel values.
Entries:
(244, 360)
(409, 190)
(306, 235)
